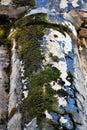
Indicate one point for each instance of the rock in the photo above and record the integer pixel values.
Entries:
(5, 2)
(15, 122)
(83, 32)
(12, 11)
(78, 17)
(32, 125)
(3, 82)
(84, 42)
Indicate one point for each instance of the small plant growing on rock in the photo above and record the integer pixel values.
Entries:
(54, 58)
(13, 111)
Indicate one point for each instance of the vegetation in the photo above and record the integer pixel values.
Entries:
(70, 77)
(24, 2)
(45, 77)
(40, 19)
(37, 102)
(54, 58)
(13, 111)
(4, 30)
(68, 57)
(47, 124)
(29, 20)
(41, 95)
(1, 32)
(62, 93)
(29, 47)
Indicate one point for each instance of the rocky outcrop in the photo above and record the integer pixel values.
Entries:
(77, 17)
(4, 62)
(15, 93)
(83, 32)
(5, 2)
(15, 122)
(32, 125)
(12, 11)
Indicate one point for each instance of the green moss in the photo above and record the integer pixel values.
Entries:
(62, 93)
(37, 102)
(48, 124)
(1, 32)
(24, 2)
(4, 31)
(13, 111)
(41, 95)
(40, 19)
(29, 47)
(71, 114)
(50, 54)
(44, 77)
(34, 18)
(67, 56)
(54, 58)
(70, 77)
(4, 27)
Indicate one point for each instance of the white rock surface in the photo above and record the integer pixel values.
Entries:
(38, 10)
(80, 85)
(48, 115)
(5, 2)
(15, 122)
(15, 91)
(4, 62)
(32, 125)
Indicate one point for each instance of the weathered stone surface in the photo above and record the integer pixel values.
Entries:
(15, 122)
(83, 32)
(5, 2)
(32, 125)
(12, 11)
(78, 17)
(3, 81)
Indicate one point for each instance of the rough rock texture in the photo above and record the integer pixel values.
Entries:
(32, 125)
(5, 2)
(12, 11)
(4, 62)
(15, 93)
(15, 122)
(83, 32)
(73, 104)
(78, 17)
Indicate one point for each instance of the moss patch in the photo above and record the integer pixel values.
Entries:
(40, 19)
(41, 96)
(13, 111)
(45, 77)
(24, 2)
(29, 20)
(54, 58)
(70, 77)
(1, 32)
(62, 93)
(29, 47)
(37, 102)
